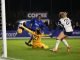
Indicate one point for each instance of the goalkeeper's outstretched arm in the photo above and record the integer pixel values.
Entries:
(25, 28)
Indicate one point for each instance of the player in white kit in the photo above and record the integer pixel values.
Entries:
(65, 24)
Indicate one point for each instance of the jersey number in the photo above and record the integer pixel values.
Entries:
(67, 22)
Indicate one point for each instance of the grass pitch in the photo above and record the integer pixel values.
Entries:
(17, 49)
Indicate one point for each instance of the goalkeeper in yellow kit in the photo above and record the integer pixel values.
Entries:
(36, 41)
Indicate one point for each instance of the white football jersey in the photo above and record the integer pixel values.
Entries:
(66, 22)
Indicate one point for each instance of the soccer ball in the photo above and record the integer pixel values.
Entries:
(19, 30)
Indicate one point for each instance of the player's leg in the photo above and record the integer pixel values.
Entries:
(30, 39)
(44, 46)
(58, 40)
(56, 45)
(66, 44)
(29, 42)
(65, 41)
(40, 45)
(34, 46)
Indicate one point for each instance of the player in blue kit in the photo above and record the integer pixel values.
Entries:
(34, 24)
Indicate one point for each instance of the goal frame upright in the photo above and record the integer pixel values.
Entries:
(4, 38)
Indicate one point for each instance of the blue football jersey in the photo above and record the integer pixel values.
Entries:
(35, 24)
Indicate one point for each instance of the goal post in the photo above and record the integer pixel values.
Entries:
(3, 14)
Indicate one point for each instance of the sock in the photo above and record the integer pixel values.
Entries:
(57, 44)
(65, 42)
(30, 39)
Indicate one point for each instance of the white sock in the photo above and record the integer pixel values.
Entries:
(57, 44)
(65, 42)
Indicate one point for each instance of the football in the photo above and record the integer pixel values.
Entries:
(19, 30)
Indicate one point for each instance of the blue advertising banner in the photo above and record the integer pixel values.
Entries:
(13, 33)
(76, 33)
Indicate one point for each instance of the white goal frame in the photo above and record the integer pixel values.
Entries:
(4, 38)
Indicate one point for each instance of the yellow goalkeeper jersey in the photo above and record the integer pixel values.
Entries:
(36, 37)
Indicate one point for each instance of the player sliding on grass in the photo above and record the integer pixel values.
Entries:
(65, 24)
(36, 41)
(33, 25)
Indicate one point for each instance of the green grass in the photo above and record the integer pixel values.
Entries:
(17, 49)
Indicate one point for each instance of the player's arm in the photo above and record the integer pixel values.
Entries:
(60, 25)
(28, 30)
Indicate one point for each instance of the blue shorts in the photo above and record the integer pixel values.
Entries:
(68, 33)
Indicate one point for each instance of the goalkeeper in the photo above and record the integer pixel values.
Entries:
(36, 41)
(33, 25)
